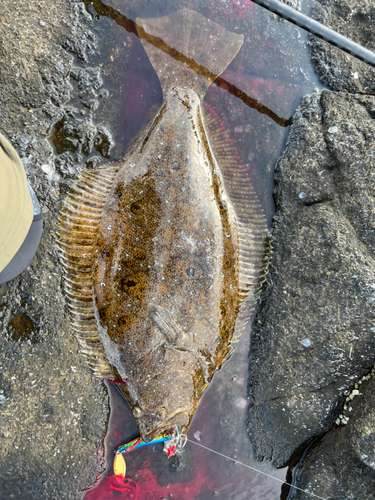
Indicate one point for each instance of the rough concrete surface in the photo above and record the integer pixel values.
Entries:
(53, 412)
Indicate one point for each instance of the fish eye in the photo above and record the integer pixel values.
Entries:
(161, 414)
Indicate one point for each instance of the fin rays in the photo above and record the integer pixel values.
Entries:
(251, 221)
(77, 228)
(187, 49)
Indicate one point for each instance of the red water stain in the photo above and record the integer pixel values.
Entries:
(240, 6)
(117, 435)
(146, 487)
(114, 487)
(118, 380)
(140, 91)
(231, 10)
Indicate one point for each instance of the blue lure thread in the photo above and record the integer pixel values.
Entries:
(138, 443)
(174, 443)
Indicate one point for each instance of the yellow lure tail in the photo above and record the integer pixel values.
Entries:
(119, 465)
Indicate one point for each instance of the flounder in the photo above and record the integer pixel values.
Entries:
(163, 252)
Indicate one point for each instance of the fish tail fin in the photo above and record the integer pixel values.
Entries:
(187, 50)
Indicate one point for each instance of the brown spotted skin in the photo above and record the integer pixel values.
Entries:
(166, 268)
(160, 268)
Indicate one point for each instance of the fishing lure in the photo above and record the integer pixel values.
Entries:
(173, 440)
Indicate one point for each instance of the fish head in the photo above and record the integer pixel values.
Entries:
(170, 394)
(153, 424)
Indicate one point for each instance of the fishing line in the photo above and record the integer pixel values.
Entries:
(256, 470)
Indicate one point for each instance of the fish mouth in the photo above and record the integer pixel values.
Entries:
(179, 418)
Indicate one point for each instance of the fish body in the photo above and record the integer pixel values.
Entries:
(166, 272)
(159, 260)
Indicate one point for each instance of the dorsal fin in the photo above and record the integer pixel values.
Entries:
(186, 49)
(77, 229)
(252, 226)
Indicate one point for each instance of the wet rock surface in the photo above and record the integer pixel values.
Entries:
(314, 334)
(53, 411)
(338, 70)
(346, 453)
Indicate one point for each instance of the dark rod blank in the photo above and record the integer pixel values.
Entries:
(318, 29)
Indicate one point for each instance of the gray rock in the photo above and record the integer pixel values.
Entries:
(53, 411)
(321, 283)
(337, 69)
(341, 465)
(314, 335)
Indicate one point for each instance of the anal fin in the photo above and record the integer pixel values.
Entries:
(77, 228)
(251, 221)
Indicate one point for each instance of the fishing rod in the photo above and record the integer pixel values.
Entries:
(318, 29)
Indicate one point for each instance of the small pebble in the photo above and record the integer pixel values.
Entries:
(333, 130)
(24, 141)
(302, 195)
(2, 399)
(306, 343)
(240, 403)
(47, 169)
